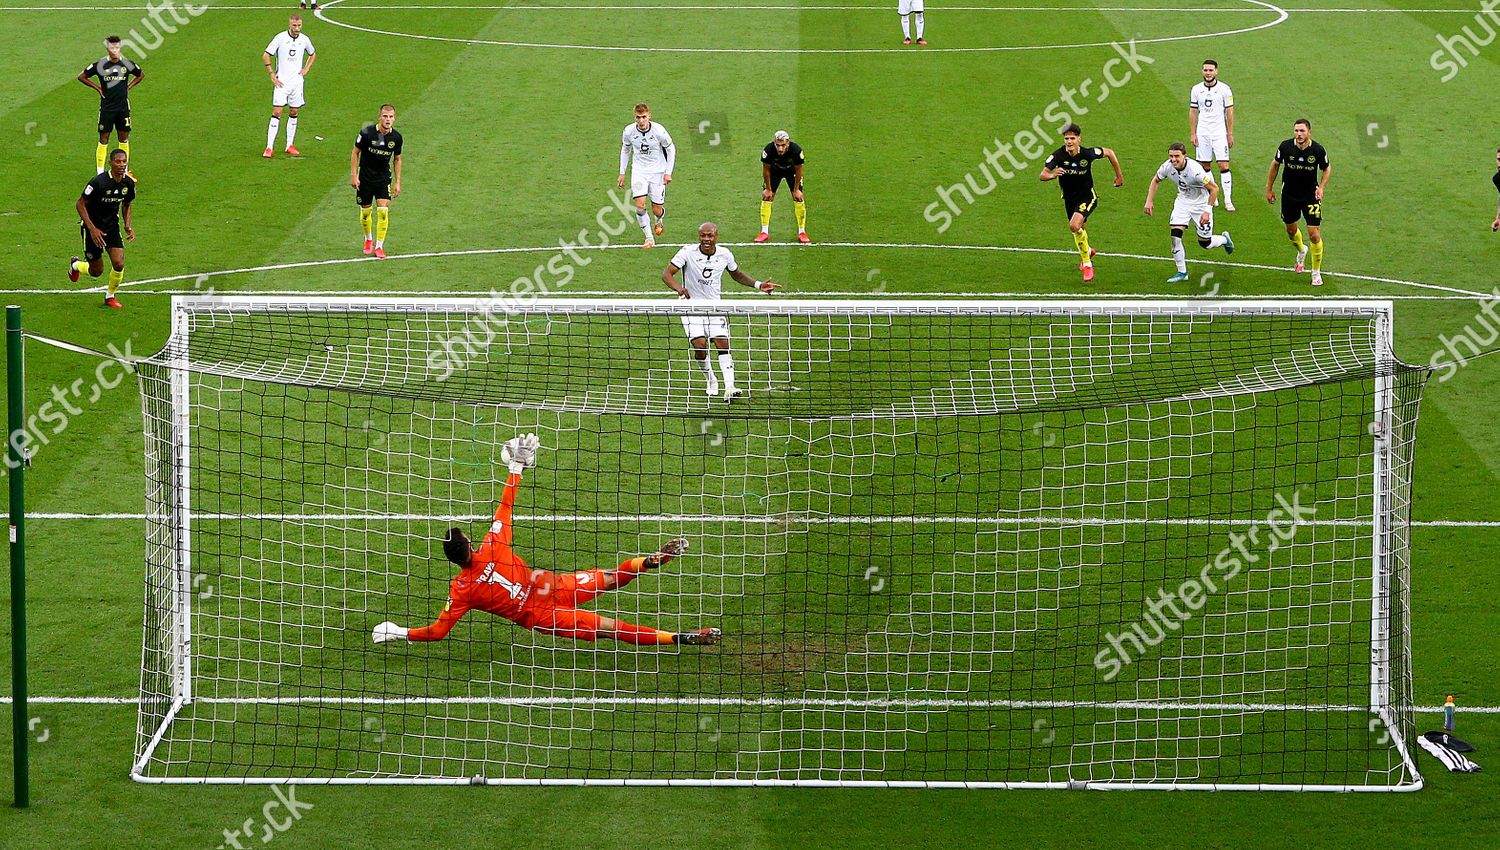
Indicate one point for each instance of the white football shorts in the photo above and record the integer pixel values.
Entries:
(1190, 214)
(710, 327)
(645, 183)
(290, 93)
(1212, 148)
(909, 6)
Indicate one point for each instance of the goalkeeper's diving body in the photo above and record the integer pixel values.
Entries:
(495, 579)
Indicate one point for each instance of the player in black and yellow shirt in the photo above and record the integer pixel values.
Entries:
(1072, 167)
(781, 162)
(1496, 226)
(1302, 193)
(117, 76)
(375, 174)
(102, 207)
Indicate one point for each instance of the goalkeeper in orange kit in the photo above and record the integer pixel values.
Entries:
(495, 579)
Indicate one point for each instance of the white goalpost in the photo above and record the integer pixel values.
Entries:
(1112, 544)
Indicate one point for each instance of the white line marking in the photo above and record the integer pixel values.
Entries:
(1281, 15)
(469, 252)
(761, 519)
(771, 702)
(829, 293)
(757, 8)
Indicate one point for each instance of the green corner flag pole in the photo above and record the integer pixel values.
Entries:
(20, 712)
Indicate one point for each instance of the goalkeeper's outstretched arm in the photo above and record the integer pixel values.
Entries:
(452, 613)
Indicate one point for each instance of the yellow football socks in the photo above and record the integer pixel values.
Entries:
(800, 207)
(101, 156)
(1317, 256)
(1081, 239)
(382, 224)
(365, 221)
(125, 146)
(765, 214)
(1296, 237)
(82, 267)
(115, 278)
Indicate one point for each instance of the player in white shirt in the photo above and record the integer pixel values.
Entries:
(703, 266)
(647, 148)
(907, 8)
(1196, 192)
(294, 57)
(1211, 126)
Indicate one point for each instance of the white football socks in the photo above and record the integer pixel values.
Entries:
(921, 25)
(1179, 255)
(291, 129)
(906, 26)
(271, 133)
(726, 365)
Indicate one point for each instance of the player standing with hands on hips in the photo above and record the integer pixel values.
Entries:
(117, 76)
(288, 48)
(1211, 126)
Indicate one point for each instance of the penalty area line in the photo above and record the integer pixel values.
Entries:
(200, 277)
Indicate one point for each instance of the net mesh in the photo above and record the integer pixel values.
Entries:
(1129, 543)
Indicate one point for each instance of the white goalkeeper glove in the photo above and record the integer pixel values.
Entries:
(388, 631)
(520, 452)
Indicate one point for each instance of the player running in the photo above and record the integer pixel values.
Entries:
(1196, 192)
(647, 148)
(288, 48)
(117, 76)
(1302, 193)
(781, 162)
(703, 266)
(104, 202)
(375, 174)
(1211, 126)
(1072, 167)
(495, 579)
(908, 8)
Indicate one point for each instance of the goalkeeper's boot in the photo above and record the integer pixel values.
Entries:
(669, 550)
(702, 637)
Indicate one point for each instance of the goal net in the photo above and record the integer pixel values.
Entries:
(1024, 544)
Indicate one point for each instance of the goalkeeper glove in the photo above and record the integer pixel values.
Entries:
(520, 452)
(388, 631)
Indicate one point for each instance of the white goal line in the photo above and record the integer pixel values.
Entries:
(764, 519)
(764, 702)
